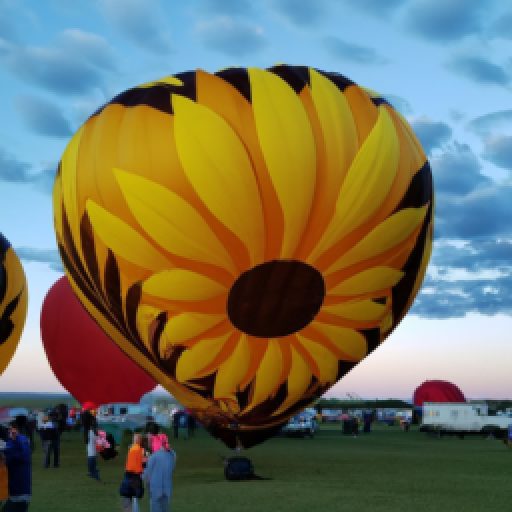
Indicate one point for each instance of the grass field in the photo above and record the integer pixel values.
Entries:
(386, 470)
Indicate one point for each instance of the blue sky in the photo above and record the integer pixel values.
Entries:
(445, 64)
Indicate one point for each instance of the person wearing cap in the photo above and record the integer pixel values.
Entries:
(158, 476)
(18, 457)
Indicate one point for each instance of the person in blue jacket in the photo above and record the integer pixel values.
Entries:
(158, 476)
(18, 458)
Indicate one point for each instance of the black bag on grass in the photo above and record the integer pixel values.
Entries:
(238, 468)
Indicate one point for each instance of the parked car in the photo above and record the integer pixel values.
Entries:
(300, 425)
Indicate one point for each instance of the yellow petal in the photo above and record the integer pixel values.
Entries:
(299, 380)
(326, 361)
(338, 127)
(194, 359)
(145, 316)
(361, 310)
(233, 370)
(181, 284)
(171, 222)
(427, 251)
(367, 281)
(367, 183)
(186, 326)
(386, 324)
(388, 234)
(349, 341)
(123, 240)
(337, 147)
(171, 80)
(68, 189)
(268, 375)
(218, 167)
(287, 144)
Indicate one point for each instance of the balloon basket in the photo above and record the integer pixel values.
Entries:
(238, 467)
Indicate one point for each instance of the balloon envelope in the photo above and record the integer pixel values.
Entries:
(247, 236)
(437, 391)
(84, 360)
(13, 302)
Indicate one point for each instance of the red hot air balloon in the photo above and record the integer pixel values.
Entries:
(437, 391)
(83, 358)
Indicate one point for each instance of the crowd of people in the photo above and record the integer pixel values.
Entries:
(150, 460)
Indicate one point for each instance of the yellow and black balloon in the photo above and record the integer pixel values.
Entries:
(13, 302)
(246, 236)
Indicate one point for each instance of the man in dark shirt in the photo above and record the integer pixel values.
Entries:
(49, 433)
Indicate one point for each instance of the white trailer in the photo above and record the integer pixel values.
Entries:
(463, 418)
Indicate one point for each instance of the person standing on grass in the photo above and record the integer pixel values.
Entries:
(90, 438)
(158, 475)
(18, 456)
(191, 425)
(48, 433)
(133, 473)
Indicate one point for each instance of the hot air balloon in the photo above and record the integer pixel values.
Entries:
(437, 391)
(247, 236)
(84, 360)
(13, 302)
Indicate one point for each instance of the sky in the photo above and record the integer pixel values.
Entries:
(446, 65)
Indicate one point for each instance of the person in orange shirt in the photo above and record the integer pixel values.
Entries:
(132, 488)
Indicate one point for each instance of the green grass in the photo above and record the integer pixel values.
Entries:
(387, 470)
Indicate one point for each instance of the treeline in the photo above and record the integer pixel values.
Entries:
(498, 405)
(335, 403)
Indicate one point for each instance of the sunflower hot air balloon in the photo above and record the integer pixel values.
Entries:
(246, 236)
(13, 302)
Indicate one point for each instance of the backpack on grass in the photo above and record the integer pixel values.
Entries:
(238, 468)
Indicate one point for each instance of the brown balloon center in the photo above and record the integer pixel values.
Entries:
(276, 298)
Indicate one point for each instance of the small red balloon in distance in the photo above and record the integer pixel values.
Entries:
(437, 391)
(83, 358)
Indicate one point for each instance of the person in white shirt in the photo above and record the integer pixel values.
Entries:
(90, 438)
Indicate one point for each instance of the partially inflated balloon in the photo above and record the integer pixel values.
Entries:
(247, 236)
(13, 302)
(437, 391)
(84, 360)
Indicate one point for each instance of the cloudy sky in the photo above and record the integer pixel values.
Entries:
(445, 64)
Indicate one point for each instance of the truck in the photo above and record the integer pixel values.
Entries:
(115, 418)
(462, 419)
